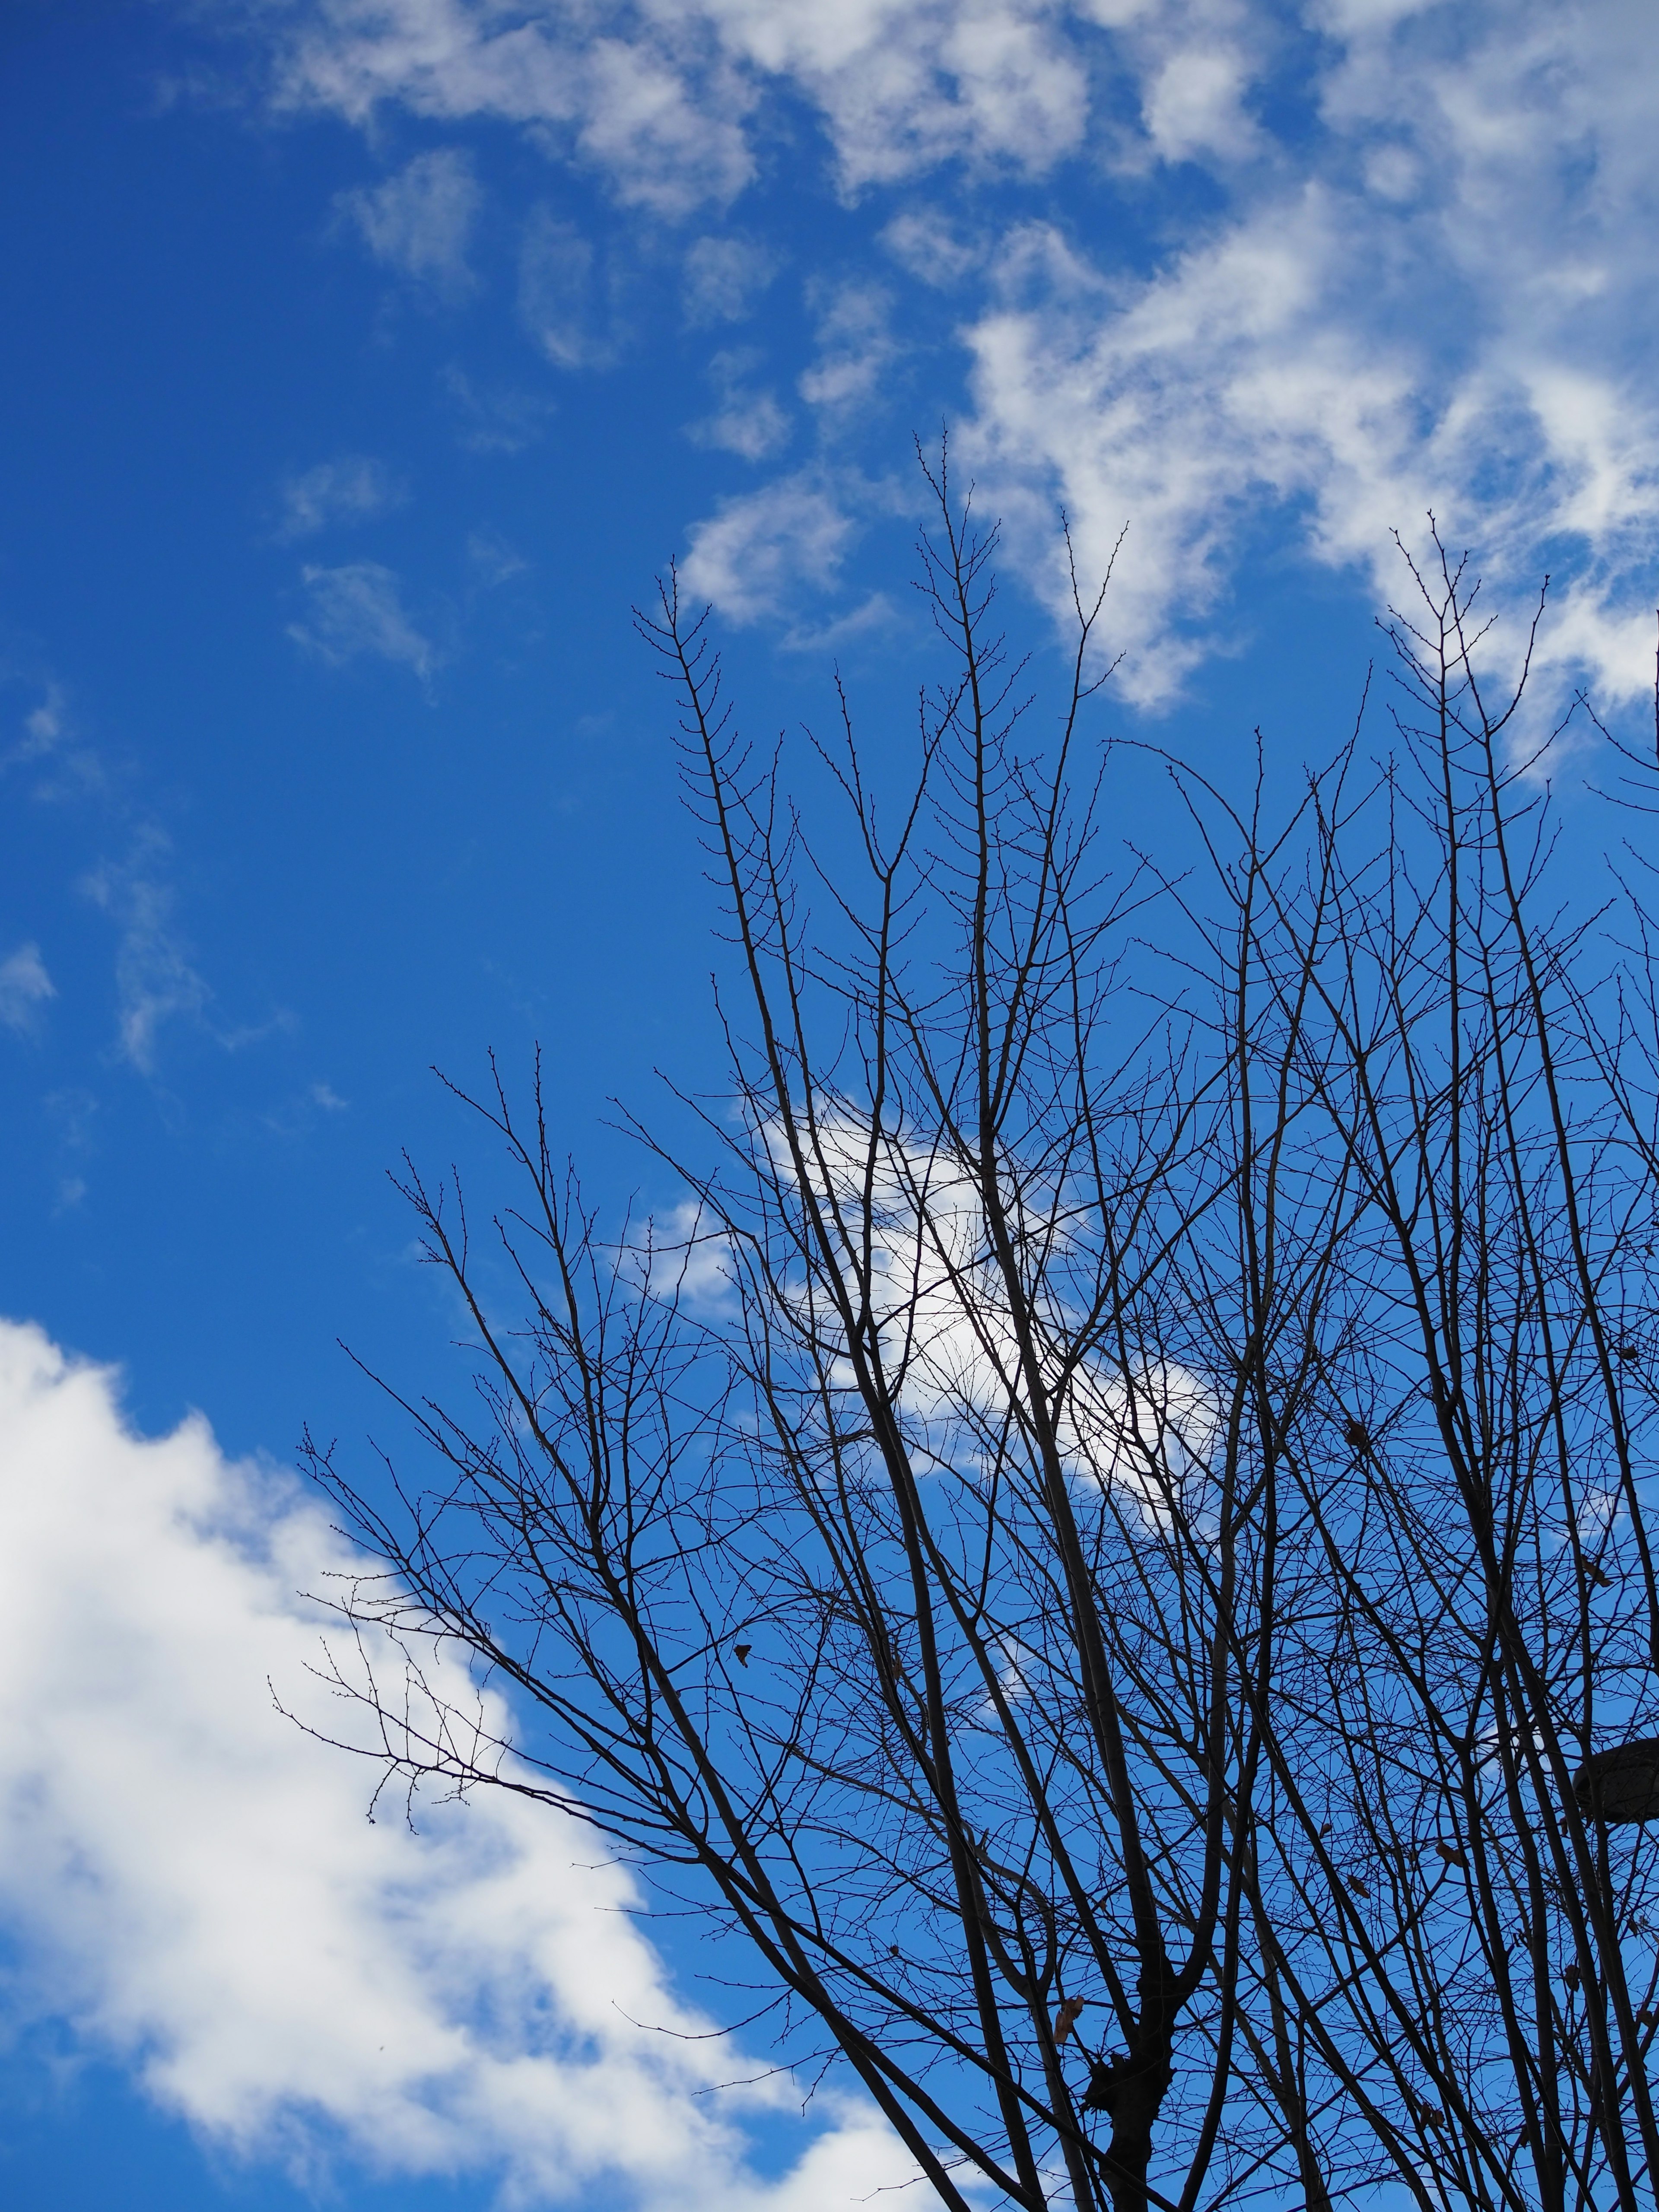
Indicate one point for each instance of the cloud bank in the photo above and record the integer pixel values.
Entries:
(1219, 263)
(193, 1884)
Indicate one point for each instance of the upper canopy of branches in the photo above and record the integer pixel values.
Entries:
(1098, 1540)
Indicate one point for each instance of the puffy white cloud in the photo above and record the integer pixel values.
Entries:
(926, 244)
(681, 1254)
(902, 87)
(357, 610)
(655, 95)
(752, 557)
(192, 1885)
(947, 1334)
(420, 221)
(657, 112)
(1447, 314)
(1193, 107)
(24, 983)
(662, 128)
(354, 488)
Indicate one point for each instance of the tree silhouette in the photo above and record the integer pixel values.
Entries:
(1097, 1542)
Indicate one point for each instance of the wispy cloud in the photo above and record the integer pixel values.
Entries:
(492, 561)
(563, 303)
(43, 725)
(496, 418)
(1370, 257)
(155, 982)
(67, 766)
(188, 1881)
(299, 1114)
(357, 611)
(724, 278)
(354, 488)
(1275, 367)
(926, 244)
(419, 222)
(24, 986)
(856, 348)
(72, 1114)
(823, 633)
(747, 420)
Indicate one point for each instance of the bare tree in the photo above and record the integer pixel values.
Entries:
(1098, 1544)
(1463, 1890)
(899, 1598)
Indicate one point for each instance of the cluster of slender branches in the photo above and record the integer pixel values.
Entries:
(1096, 1544)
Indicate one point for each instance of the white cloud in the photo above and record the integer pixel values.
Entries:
(724, 278)
(68, 766)
(492, 560)
(154, 980)
(656, 98)
(1278, 365)
(560, 298)
(419, 222)
(901, 88)
(358, 610)
(943, 1321)
(1436, 291)
(495, 418)
(192, 1885)
(745, 420)
(659, 113)
(43, 725)
(752, 557)
(354, 488)
(1440, 304)
(24, 983)
(926, 245)
(682, 1255)
(856, 348)
(1193, 108)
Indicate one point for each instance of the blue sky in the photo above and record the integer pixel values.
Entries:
(361, 360)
